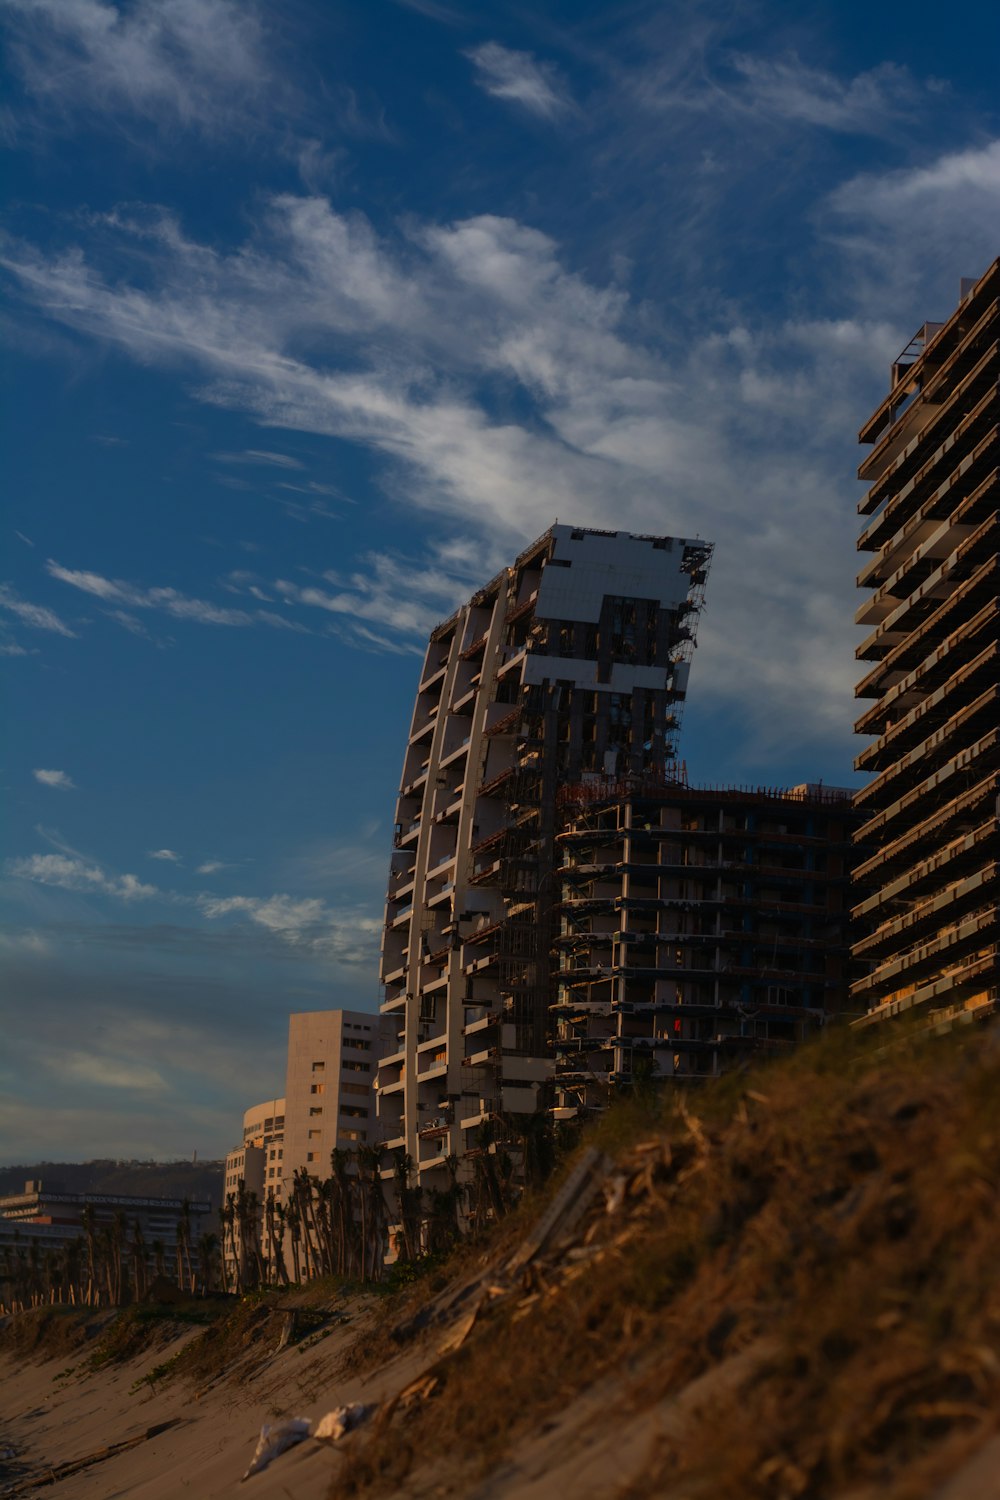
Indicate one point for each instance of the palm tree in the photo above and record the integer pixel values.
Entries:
(278, 1244)
(294, 1223)
(253, 1222)
(117, 1240)
(490, 1200)
(227, 1218)
(185, 1275)
(302, 1189)
(341, 1210)
(373, 1211)
(72, 1257)
(409, 1200)
(138, 1249)
(208, 1247)
(88, 1223)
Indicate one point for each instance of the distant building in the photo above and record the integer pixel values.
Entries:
(571, 663)
(696, 927)
(929, 931)
(54, 1218)
(263, 1145)
(333, 1058)
(329, 1103)
(257, 1163)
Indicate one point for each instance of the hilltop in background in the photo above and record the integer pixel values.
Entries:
(140, 1179)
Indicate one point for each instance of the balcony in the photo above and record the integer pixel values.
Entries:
(453, 755)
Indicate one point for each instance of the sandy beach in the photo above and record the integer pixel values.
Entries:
(50, 1418)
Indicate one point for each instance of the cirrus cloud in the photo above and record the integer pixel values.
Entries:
(519, 78)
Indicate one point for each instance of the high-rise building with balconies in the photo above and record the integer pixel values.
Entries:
(929, 933)
(570, 664)
(698, 926)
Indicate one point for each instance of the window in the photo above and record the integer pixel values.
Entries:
(357, 1067)
(310, 1156)
(319, 1067)
(317, 1088)
(355, 1088)
(355, 1041)
(354, 1135)
(314, 1135)
(353, 1113)
(317, 1109)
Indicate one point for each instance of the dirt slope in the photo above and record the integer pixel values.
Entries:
(782, 1287)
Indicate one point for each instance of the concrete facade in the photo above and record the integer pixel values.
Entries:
(929, 934)
(571, 663)
(697, 926)
(258, 1162)
(333, 1058)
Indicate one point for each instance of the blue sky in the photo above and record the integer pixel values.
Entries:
(317, 312)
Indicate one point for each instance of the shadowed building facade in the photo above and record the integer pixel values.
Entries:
(697, 927)
(929, 932)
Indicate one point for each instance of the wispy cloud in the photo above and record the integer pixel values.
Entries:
(521, 79)
(276, 913)
(108, 1072)
(24, 942)
(724, 432)
(213, 866)
(260, 456)
(192, 63)
(311, 926)
(434, 11)
(53, 837)
(345, 936)
(77, 875)
(169, 601)
(408, 595)
(786, 88)
(58, 779)
(36, 616)
(894, 225)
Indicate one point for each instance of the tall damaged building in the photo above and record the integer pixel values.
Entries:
(571, 664)
(929, 932)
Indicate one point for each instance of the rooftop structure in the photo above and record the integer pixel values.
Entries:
(697, 925)
(930, 929)
(570, 664)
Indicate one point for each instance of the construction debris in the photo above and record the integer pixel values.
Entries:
(343, 1419)
(76, 1465)
(275, 1440)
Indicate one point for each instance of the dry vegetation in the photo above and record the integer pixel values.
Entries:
(825, 1228)
(837, 1214)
